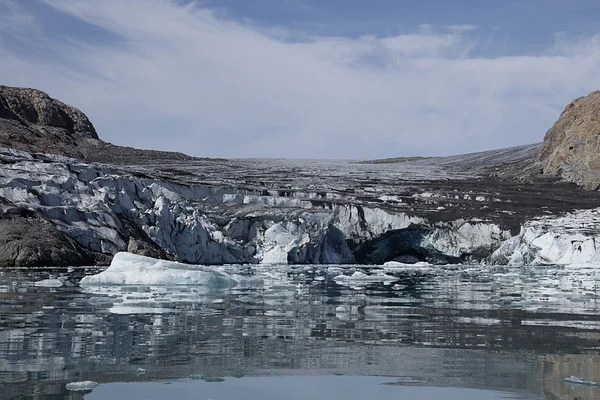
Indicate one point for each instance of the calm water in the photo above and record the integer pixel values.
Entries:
(315, 332)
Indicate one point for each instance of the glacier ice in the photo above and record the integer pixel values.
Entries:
(214, 220)
(106, 209)
(572, 238)
(359, 278)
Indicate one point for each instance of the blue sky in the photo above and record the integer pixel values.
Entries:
(307, 78)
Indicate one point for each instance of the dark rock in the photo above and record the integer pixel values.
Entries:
(137, 246)
(32, 121)
(35, 242)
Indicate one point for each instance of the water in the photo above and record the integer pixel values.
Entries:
(455, 332)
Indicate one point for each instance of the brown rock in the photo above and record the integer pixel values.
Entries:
(32, 106)
(571, 147)
(31, 120)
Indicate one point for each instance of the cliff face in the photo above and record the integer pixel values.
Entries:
(571, 147)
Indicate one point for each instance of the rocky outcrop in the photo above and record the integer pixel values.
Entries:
(35, 242)
(33, 121)
(571, 148)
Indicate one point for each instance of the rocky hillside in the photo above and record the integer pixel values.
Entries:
(571, 147)
(32, 121)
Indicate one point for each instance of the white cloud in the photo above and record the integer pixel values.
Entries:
(184, 78)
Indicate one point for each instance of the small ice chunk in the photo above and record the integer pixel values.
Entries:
(49, 283)
(579, 381)
(362, 278)
(397, 264)
(81, 386)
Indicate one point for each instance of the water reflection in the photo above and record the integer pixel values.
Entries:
(483, 328)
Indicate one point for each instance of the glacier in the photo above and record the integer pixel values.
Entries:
(297, 212)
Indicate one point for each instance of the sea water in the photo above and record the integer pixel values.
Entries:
(305, 332)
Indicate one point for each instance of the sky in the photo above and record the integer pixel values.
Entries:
(344, 79)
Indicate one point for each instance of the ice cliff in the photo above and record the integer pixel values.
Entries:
(573, 238)
(100, 210)
(106, 210)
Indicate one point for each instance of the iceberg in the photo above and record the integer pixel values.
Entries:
(132, 269)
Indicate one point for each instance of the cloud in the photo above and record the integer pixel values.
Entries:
(183, 77)
(15, 21)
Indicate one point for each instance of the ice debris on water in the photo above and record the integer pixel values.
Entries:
(81, 386)
(131, 269)
(49, 283)
(579, 381)
(360, 277)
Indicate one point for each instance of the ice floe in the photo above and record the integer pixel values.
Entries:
(579, 381)
(131, 269)
(49, 283)
(81, 386)
(359, 278)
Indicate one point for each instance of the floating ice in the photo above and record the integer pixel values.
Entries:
(396, 264)
(578, 381)
(358, 278)
(49, 283)
(131, 269)
(81, 386)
